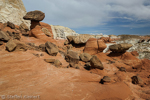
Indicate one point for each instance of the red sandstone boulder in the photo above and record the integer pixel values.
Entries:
(91, 46)
(94, 46)
(101, 45)
(47, 26)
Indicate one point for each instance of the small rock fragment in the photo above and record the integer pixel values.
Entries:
(10, 46)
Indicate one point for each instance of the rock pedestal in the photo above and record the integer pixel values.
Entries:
(38, 30)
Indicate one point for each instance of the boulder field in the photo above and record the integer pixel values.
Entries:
(32, 63)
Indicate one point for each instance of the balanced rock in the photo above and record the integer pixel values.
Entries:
(72, 57)
(51, 48)
(96, 63)
(120, 47)
(85, 57)
(4, 36)
(11, 45)
(34, 16)
(11, 25)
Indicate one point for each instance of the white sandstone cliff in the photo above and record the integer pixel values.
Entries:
(13, 11)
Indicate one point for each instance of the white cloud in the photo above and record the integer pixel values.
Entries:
(89, 13)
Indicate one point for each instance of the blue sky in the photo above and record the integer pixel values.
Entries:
(96, 16)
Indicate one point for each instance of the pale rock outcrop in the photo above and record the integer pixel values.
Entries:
(142, 48)
(80, 39)
(62, 32)
(113, 36)
(13, 11)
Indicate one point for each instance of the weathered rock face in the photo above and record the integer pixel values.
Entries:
(62, 32)
(34, 16)
(120, 47)
(13, 11)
